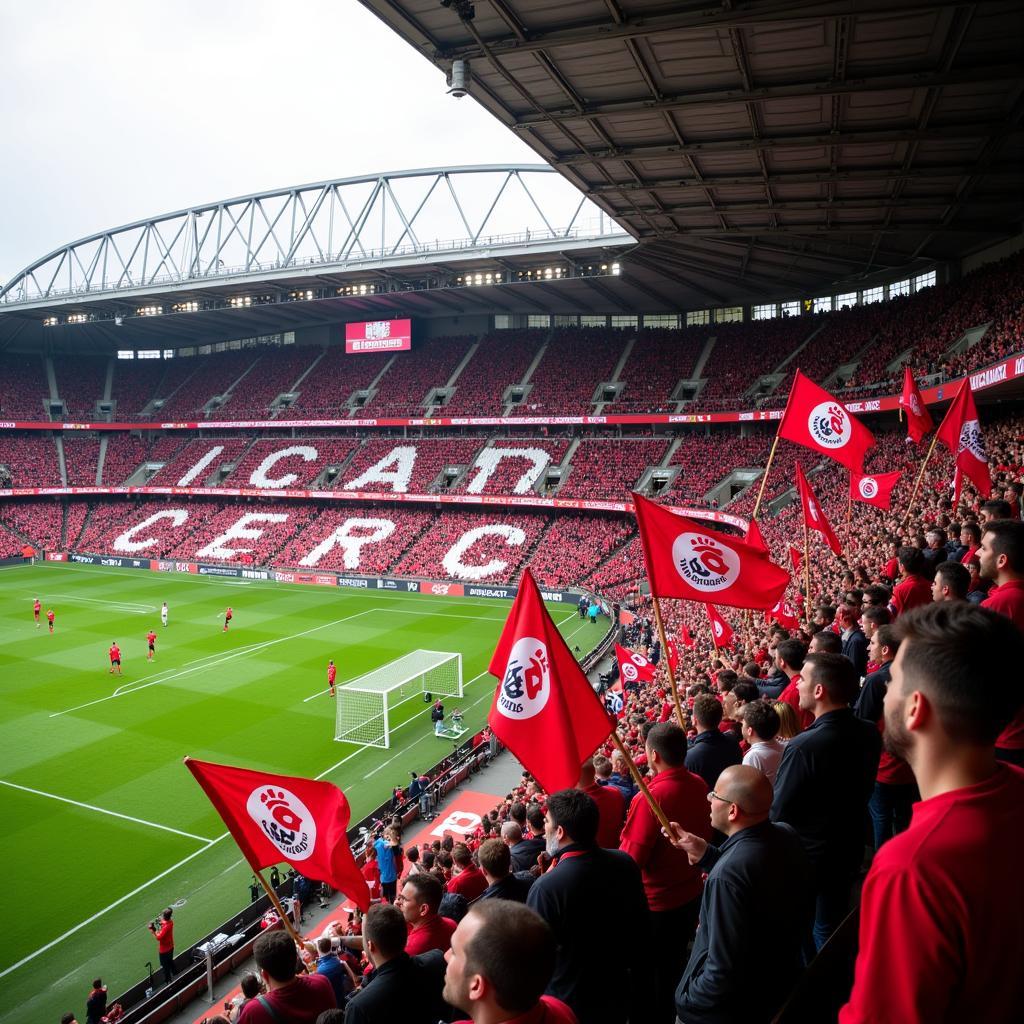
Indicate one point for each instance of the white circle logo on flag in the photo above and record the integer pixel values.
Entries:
(812, 507)
(830, 425)
(526, 685)
(704, 563)
(915, 405)
(970, 440)
(629, 672)
(868, 487)
(718, 628)
(284, 819)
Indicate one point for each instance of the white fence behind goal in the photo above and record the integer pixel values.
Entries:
(364, 705)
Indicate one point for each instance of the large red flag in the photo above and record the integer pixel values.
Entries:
(754, 537)
(796, 557)
(960, 433)
(819, 421)
(633, 666)
(685, 559)
(544, 709)
(720, 629)
(687, 639)
(278, 819)
(814, 514)
(873, 488)
(784, 614)
(673, 651)
(919, 420)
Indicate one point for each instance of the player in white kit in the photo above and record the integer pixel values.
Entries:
(163, 614)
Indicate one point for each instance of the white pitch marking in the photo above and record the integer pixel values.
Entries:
(103, 810)
(99, 913)
(135, 609)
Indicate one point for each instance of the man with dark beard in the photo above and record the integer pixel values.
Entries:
(941, 929)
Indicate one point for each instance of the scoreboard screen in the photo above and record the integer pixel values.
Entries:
(378, 336)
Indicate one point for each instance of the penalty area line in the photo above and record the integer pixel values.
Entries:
(104, 810)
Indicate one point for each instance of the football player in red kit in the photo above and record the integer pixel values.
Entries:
(151, 640)
(36, 606)
(115, 657)
(228, 615)
(49, 618)
(332, 673)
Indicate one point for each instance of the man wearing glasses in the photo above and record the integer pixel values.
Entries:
(755, 881)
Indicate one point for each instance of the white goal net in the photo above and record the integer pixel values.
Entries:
(366, 704)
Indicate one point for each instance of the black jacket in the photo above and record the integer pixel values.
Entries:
(855, 647)
(755, 912)
(711, 753)
(406, 989)
(525, 853)
(825, 779)
(872, 694)
(512, 887)
(586, 892)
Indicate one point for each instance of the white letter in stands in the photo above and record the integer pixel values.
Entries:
(259, 476)
(453, 564)
(403, 458)
(487, 462)
(200, 465)
(125, 542)
(462, 822)
(351, 544)
(240, 531)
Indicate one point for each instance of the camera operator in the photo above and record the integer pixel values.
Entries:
(163, 932)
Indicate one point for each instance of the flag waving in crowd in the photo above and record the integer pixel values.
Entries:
(814, 514)
(633, 666)
(283, 818)
(819, 421)
(685, 559)
(961, 434)
(544, 709)
(720, 629)
(873, 488)
(919, 420)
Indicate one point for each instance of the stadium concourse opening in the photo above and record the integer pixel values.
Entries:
(770, 279)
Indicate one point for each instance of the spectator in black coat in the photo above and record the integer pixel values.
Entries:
(711, 751)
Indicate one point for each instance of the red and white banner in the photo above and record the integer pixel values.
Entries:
(378, 336)
(721, 631)
(814, 514)
(544, 709)
(685, 559)
(278, 819)
(784, 614)
(919, 420)
(961, 434)
(633, 666)
(873, 488)
(819, 421)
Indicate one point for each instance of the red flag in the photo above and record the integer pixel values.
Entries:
(754, 537)
(784, 614)
(633, 666)
(283, 818)
(685, 559)
(720, 629)
(796, 557)
(687, 639)
(873, 488)
(819, 421)
(919, 420)
(960, 433)
(544, 709)
(673, 651)
(814, 515)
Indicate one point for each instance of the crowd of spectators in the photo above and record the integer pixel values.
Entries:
(40, 522)
(30, 460)
(659, 359)
(610, 468)
(81, 457)
(501, 360)
(125, 453)
(428, 457)
(137, 383)
(208, 376)
(325, 452)
(575, 362)
(574, 546)
(504, 476)
(324, 392)
(403, 390)
(23, 386)
(705, 459)
(181, 468)
(80, 384)
(275, 372)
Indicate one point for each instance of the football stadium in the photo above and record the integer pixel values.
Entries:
(412, 581)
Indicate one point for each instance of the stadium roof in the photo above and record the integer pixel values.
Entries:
(753, 146)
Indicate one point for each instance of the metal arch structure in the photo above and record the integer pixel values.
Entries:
(329, 226)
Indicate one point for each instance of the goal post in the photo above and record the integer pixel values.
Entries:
(364, 705)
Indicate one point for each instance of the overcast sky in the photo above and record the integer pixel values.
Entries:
(115, 111)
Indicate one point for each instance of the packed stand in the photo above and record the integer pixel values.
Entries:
(276, 371)
(575, 362)
(403, 390)
(125, 453)
(308, 458)
(511, 473)
(192, 465)
(659, 359)
(39, 522)
(324, 392)
(391, 458)
(81, 458)
(573, 546)
(31, 460)
(137, 383)
(115, 527)
(75, 514)
(501, 360)
(210, 376)
(610, 469)
(705, 459)
(80, 385)
(23, 387)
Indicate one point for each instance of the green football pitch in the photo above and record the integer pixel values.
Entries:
(104, 826)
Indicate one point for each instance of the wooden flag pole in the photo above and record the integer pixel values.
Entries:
(764, 479)
(807, 572)
(668, 662)
(641, 783)
(920, 477)
(849, 506)
(285, 919)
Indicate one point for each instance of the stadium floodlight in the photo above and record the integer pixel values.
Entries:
(364, 705)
